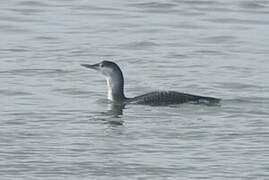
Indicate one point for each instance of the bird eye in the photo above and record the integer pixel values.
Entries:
(101, 65)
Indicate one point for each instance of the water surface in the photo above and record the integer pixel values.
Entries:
(56, 124)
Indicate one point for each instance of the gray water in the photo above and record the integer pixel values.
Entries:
(55, 122)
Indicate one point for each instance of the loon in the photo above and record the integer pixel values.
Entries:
(115, 84)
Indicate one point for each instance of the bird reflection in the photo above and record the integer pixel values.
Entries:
(116, 109)
(113, 115)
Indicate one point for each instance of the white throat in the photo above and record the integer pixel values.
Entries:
(109, 86)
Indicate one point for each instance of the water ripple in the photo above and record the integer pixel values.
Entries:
(33, 72)
(57, 124)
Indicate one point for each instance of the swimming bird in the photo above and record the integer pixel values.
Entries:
(115, 84)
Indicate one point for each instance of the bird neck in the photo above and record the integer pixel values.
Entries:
(115, 86)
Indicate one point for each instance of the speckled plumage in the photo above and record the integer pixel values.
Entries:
(170, 97)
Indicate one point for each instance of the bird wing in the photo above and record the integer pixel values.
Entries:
(170, 97)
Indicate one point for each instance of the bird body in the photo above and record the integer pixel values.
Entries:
(171, 97)
(115, 84)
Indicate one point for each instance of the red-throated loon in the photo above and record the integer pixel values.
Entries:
(115, 84)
